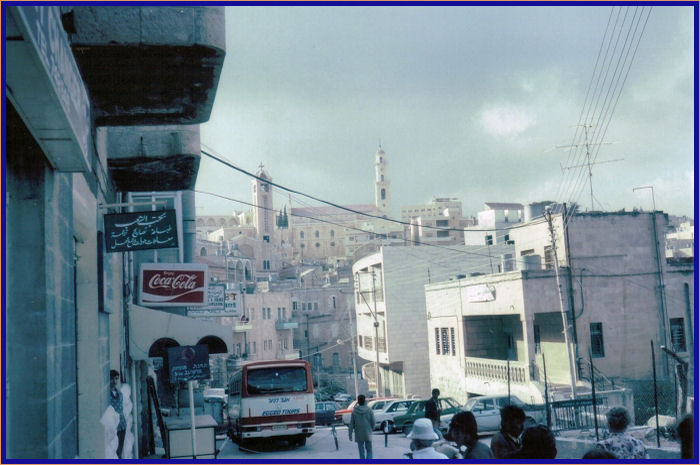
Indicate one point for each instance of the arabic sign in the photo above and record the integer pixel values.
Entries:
(125, 232)
(187, 363)
(173, 284)
(215, 303)
(480, 293)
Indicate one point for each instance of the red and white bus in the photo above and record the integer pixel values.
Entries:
(271, 399)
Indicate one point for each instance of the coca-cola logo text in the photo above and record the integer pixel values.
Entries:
(181, 281)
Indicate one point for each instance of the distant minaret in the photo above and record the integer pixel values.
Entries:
(382, 188)
(263, 214)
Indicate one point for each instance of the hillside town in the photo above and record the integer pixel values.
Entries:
(111, 268)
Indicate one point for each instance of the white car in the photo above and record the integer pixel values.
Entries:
(386, 410)
(487, 411)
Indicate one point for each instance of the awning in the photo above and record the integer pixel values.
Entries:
(146, 326)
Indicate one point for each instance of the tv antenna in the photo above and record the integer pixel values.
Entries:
(588, 164)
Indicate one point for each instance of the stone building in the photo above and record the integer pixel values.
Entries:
(100, 103)
(618, 293)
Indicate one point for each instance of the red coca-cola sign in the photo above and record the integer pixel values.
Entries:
(173, 284)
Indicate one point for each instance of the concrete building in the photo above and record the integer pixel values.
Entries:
(100, 102)
(680, 239)
(428, 220)
(619, 293)
(389, 292)
(493, 223)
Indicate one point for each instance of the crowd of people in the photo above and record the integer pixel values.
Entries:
(513, 441)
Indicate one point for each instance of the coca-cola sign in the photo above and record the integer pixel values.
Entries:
(173, 284)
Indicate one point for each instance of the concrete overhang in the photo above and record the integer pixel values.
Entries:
(146, 326)
(151, 158)
(150, 64)
(45, 87)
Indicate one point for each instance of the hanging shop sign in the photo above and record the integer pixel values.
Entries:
(216, 300)
(125, 232)
(188, 363)
(173, 284)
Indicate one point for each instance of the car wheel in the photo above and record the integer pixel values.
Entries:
(407, 428)
(387, 427)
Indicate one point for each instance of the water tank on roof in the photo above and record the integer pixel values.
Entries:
(507, 262)
(531, 262)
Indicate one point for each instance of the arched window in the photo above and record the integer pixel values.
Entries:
(383, 194)
(203, 252)
(301, 234)
(316, 234)
(382, 178)
(332, 233)
(332, 244)
(318, 245)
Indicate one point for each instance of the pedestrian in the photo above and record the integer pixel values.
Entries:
(537, 442)
(422, 437)
(619, 442)
(507, 440)
(599, 454)
(116, 400)
(685, 433)
(362, 424)
(433, 410)
(463, 432)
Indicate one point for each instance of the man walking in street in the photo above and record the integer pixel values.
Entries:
(362, 424)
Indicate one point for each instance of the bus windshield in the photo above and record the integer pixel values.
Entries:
(277, 379)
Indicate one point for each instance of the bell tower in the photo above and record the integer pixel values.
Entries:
(382, 186)
(263, 214)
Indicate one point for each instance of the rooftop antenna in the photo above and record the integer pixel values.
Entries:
(589, 164)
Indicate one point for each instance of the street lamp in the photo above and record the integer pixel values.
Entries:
(653, 201)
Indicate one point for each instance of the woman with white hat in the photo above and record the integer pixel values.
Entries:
(422, 437)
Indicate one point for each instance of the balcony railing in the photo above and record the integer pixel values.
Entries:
(286, 324)
(242, 325)
(496, 370)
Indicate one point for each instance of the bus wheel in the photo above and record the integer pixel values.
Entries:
(301, 442)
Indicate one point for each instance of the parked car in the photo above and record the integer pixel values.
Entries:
(405, 422)
(343, 415)
(385, 411)
(325, 412)
(487, 411)
(342, 397)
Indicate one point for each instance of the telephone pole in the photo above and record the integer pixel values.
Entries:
(564, 318)
(376, 332)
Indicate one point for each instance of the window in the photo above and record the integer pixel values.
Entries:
(316, 234)
(317, 245)
(315, 305)
(303, 306)
(527, 252)
(506, 238)
(489, 239)
(443, 234)
(301, 234)
(445, 341)
(202, 252)
(383, 194)
(268, 313)
(302, 246)
(294, 305)
(332, 233)
(255, 347)
(279, 313)
(333, 301)
(597, 348)
(442, 223)
(678, 335)
(437, 341)
(536, 331)
(452, 341)
(548, 257)
(332, 244)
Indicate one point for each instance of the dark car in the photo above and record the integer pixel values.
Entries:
(405, 422)
(325, 412)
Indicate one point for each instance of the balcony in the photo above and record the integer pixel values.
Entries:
(146, 65)
(496, 370)
(242, 326)
(286, 324)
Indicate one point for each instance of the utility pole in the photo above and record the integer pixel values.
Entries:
(376, 333)
(564, 319)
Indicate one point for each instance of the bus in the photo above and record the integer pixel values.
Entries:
(271, 399)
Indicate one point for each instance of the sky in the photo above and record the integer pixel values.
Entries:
(468, 102)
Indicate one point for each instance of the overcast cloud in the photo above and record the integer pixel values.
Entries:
(468, 102)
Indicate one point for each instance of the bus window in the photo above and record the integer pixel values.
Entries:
(277, 379)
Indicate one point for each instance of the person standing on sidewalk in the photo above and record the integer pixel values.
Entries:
(117, 402)
(433, 410)
(362, 424)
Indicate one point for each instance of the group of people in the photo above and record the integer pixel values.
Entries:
(513, 441)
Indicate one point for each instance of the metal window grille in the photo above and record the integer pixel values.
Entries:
(597, 346)
(538, 346)
(437, 341)
(452, 341)
(445, 341)
(678, 334)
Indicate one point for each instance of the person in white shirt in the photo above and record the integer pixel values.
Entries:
(422, 437)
